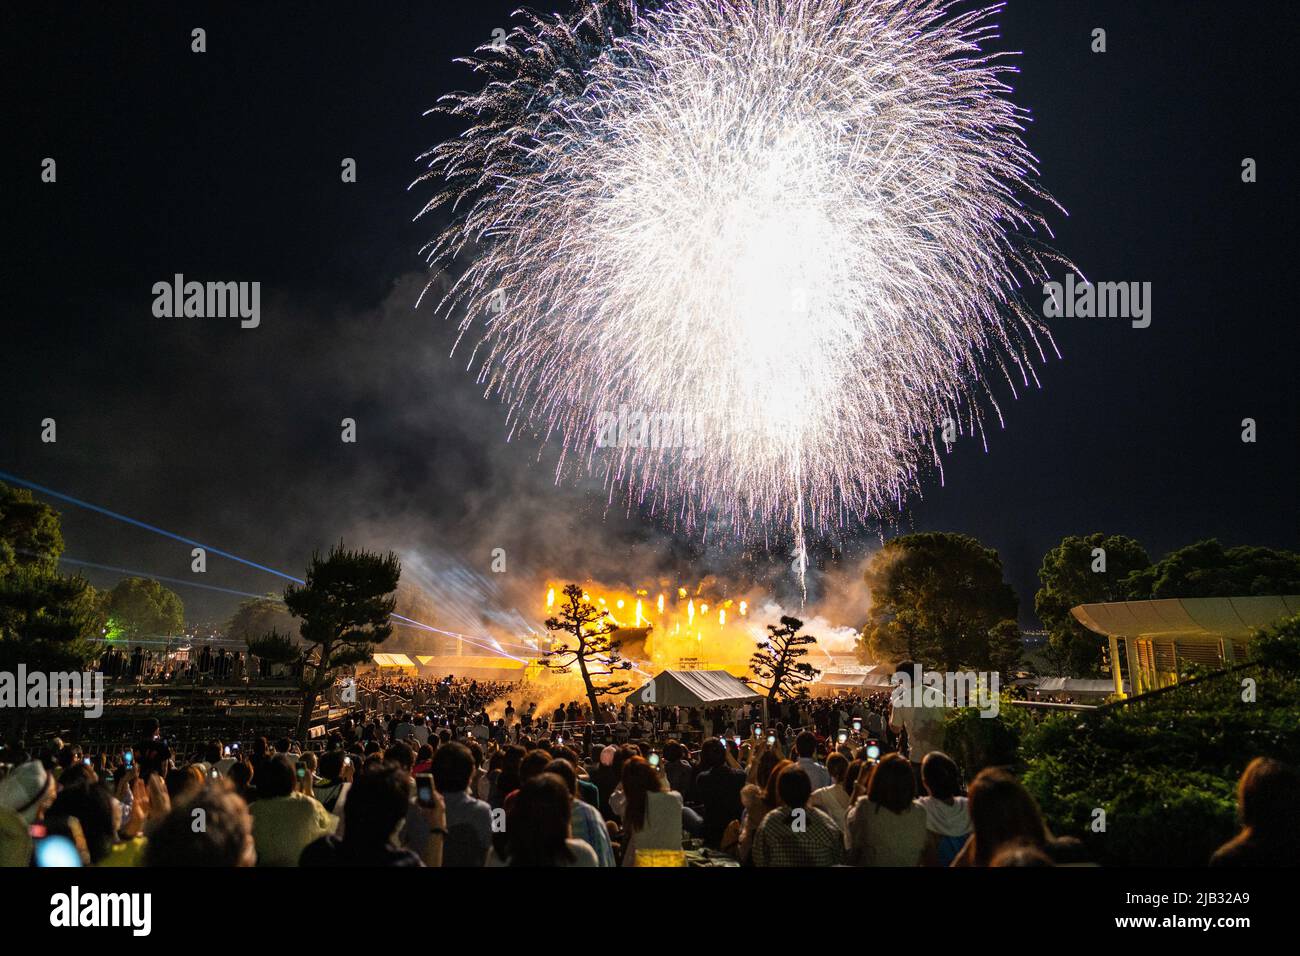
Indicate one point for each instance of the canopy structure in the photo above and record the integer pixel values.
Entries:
(693, 689)
(1158, 635)
(493, 667)
(868, 680)
(393, 660)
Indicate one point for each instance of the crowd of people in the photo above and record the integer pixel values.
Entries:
(442, 782)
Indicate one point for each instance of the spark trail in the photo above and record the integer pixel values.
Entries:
(794, 230)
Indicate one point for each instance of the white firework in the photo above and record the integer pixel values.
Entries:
(796, 227)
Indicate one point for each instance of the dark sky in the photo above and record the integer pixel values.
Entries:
(225, 166)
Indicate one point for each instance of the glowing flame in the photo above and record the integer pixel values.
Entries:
(661, 604)
(550, 599)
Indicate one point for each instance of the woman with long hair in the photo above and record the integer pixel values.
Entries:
(886, 826)
(1002, 814)
(537, 830)
(759, 798)
(652, 814)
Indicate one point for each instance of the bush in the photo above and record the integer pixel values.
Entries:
(977, 742)
(1164, 770)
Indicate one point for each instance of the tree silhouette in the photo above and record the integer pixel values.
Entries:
(591, 646)
(777, 661)
(344, 607)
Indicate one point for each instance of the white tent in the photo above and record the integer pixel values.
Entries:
(693, 689)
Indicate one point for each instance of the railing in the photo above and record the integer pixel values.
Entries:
(1180, 685)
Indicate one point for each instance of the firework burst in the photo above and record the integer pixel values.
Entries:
(795, 228)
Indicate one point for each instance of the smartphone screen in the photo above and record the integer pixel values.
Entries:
(302, 773)
(654, 760)
(857, 724)
(424, 789)
(844, 736)
(873, 750)
(737, 740)
(56, 850)
(129, 758)
(771, 739)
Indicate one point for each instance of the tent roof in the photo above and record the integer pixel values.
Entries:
(1232, 617)
(693, 689)
(393, 660)
(842, 680)
(469, 662)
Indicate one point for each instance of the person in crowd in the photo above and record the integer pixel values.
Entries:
(225, 840)
(833, 799)
(377, 804)
(28, 790)
(678, 770)
(306, 774)
(335, 769)
(285, 820)
(923, 724)
(469, 819)
(946, 811)
(805, 746)
(886, 825)
(759, 799)
(1021, 854)
(507, 781)
(1002, 813)
(1268, 805)
(538, 827)
(93, 806)
(586, 824)
(652, 814)
(241, 778)
(796, 834)
(717, 790)
(183, 782)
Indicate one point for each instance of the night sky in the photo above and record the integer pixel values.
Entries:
(225, 166)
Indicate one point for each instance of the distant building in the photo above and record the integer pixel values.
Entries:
(1159, 636)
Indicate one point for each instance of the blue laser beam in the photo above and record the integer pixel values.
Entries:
(14, 479)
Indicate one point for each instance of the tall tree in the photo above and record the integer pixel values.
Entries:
(144, 607)
(1005, 648)
(776, 662)
(30, 532)
(934, 598)
(1083, 569)
(1208, 569)
(589, 643)
(273, 648)
(344, 607)
(257, 617)
(48, 621)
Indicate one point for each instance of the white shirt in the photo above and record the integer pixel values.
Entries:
(818, 774)
(834, 802)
